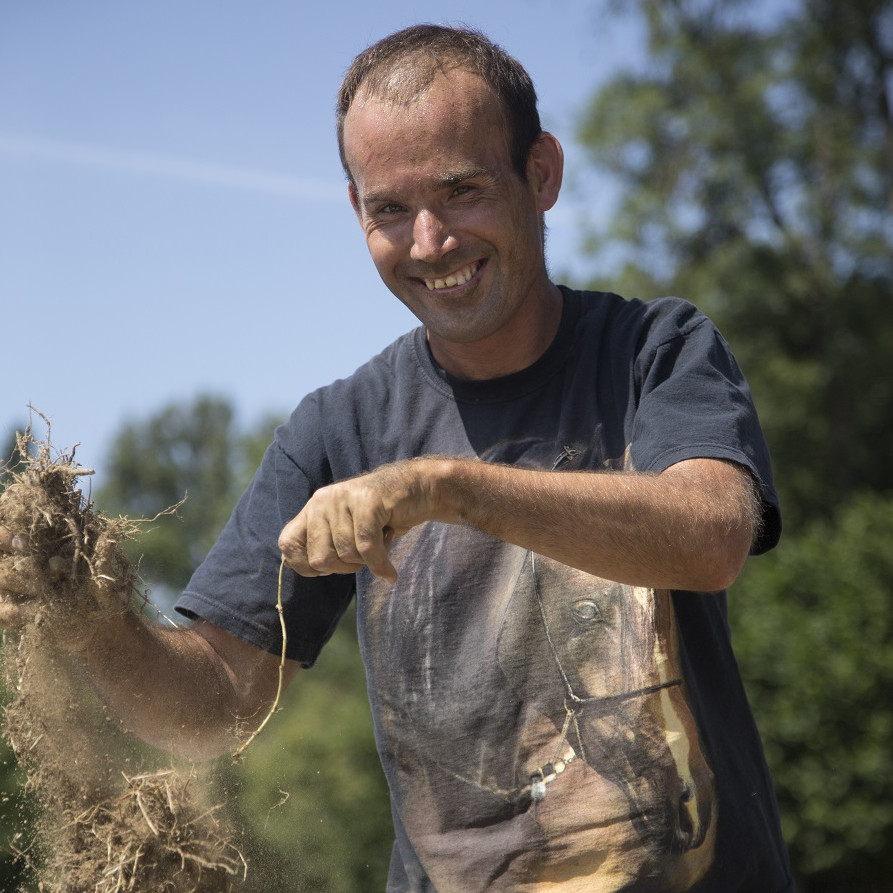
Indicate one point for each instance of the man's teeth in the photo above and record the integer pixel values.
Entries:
(460, 277)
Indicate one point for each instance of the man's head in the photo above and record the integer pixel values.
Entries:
(451, 201)
(402, 66)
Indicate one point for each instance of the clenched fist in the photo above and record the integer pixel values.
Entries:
(352, 523)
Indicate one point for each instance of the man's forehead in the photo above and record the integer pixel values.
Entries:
(445, 134)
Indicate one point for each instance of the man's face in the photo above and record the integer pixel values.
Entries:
(452, 229)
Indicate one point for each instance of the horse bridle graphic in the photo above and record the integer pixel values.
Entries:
(574, 705)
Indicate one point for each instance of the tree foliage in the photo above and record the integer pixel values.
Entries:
(813, 627)
(757, 172)
(186, 455)
(755, 160)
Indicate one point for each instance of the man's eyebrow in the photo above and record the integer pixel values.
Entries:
(452, 178)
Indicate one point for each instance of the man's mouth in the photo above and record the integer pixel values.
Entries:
(459, 277)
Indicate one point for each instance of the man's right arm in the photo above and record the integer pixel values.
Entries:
(196, 692)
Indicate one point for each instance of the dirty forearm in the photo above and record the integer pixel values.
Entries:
(167, 686)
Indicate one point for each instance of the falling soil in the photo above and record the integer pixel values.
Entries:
(113, 815)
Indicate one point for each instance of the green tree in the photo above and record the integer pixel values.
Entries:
(755, 161)
(756, 167)
(185, 453)
(825, 693)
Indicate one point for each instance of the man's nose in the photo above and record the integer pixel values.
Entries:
(430, 238)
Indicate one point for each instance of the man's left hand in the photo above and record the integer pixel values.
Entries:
(352, 523)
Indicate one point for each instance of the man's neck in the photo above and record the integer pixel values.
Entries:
(508, 350)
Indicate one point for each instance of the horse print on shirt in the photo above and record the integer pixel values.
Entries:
(534, 721)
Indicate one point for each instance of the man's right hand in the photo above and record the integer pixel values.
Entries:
(18, 579)
(28, 582)
(192, 691)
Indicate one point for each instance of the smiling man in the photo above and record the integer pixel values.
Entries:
(538, 498)
(454, 230)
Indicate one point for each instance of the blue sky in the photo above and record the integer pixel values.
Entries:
(173, 218)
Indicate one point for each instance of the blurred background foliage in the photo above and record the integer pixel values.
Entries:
(755, 175)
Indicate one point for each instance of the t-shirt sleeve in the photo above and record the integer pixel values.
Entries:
(237, 585)
(694, 402)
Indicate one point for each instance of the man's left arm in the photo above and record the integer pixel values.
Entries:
(690, 527)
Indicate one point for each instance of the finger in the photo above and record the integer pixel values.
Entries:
(340, 530)
(17, 589)
(18, 542)
(323, 542)
(348, 535)
(372, 544)
(12, 542)
(20, 578)
(329, 544)
(294, 548)
(292, 544)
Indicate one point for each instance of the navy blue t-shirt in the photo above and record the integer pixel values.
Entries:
(538, 726)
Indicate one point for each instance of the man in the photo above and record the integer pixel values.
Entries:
(537, 498)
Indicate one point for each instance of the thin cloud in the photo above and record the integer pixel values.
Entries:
(210, 173)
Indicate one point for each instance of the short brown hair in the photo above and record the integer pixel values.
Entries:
(403, 65)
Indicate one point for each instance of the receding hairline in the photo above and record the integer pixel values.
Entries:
(416, 55)
(408, 78)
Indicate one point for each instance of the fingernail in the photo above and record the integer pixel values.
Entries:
(17, 542)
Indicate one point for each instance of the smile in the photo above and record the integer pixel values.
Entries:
(459, 277)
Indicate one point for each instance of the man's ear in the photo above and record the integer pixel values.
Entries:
(545, 169)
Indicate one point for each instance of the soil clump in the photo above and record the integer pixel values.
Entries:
(114, 816)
